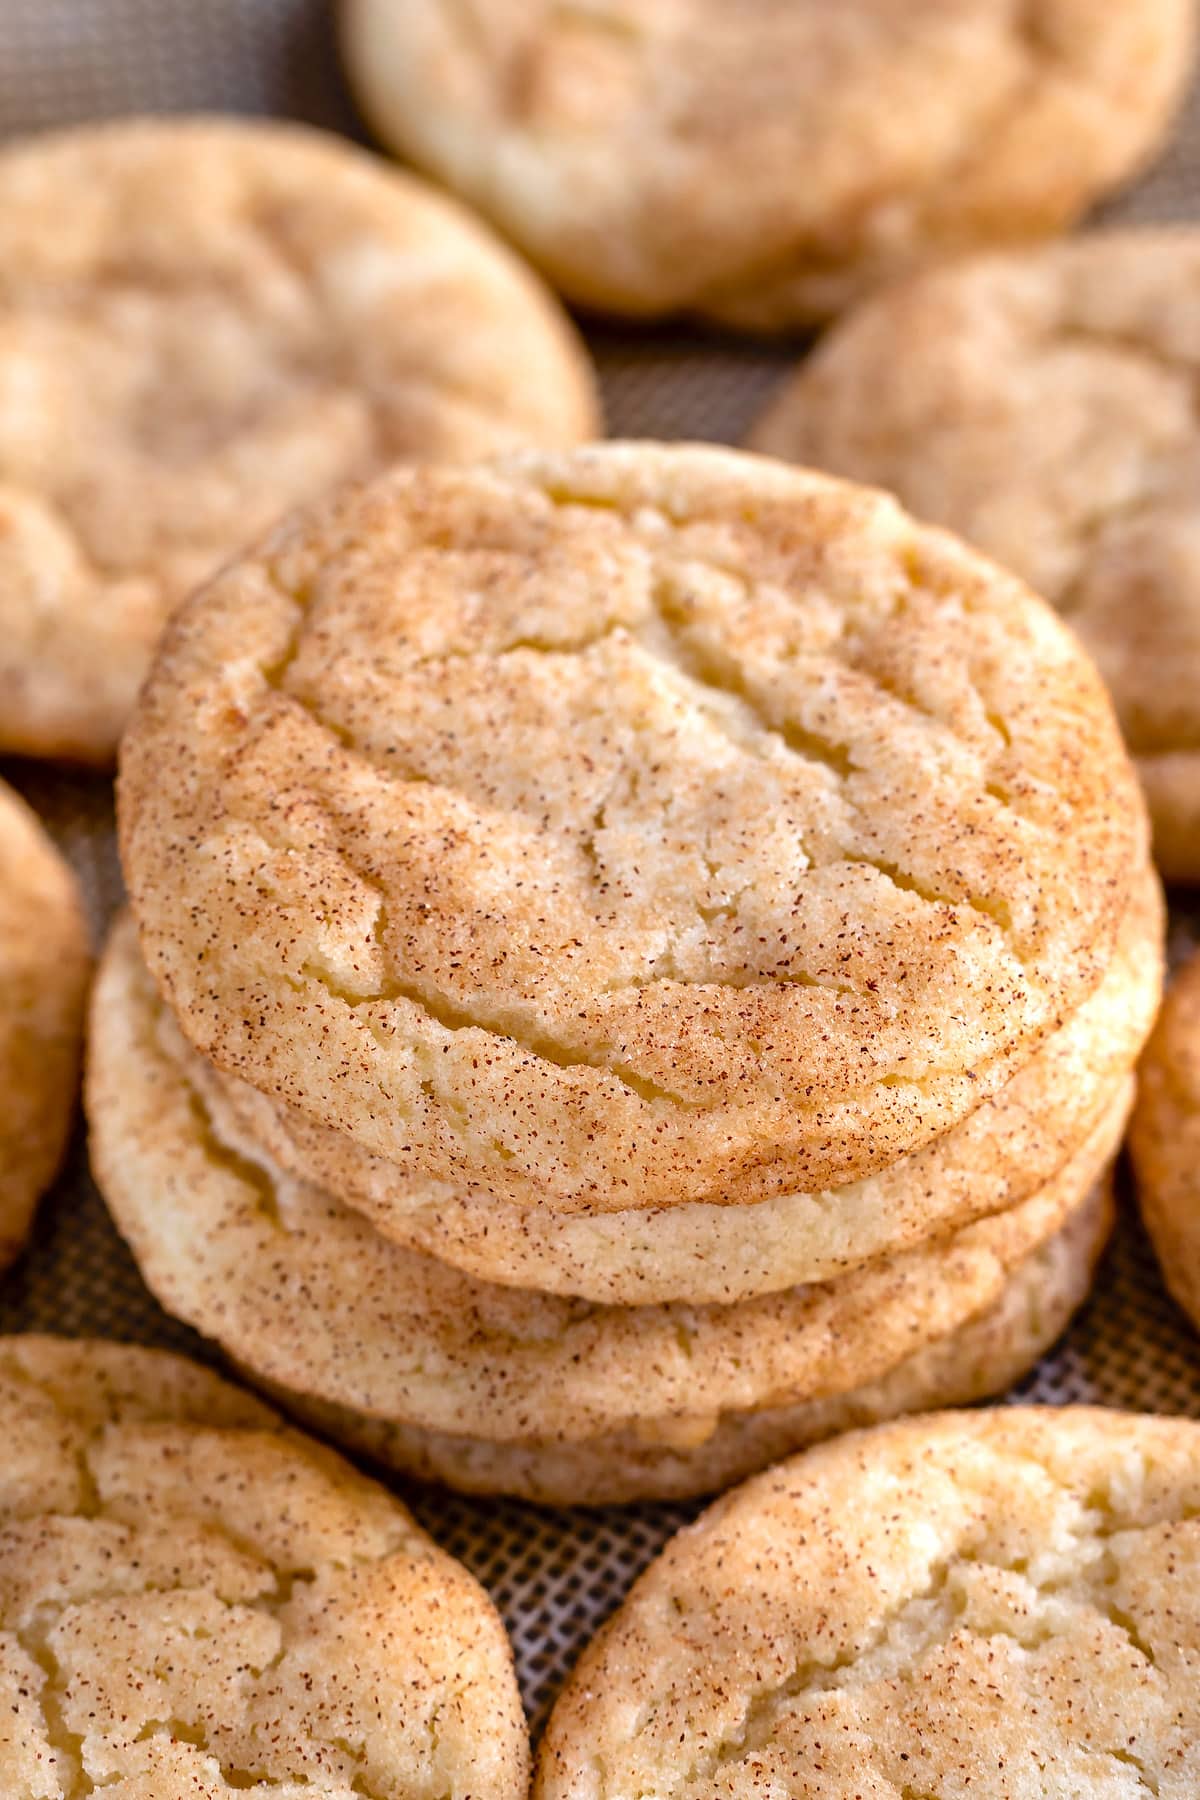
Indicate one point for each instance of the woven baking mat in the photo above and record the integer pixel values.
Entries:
(555, 1575)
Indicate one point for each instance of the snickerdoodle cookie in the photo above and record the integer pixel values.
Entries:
(305, 1294)
(622, 827)
(195, 1601)
(44, 964)
(1003, 1151)
(677, 1459)
(766, 162)
(1043, 405)
(204, 322)
(1164, 1138)
(1000, 1604)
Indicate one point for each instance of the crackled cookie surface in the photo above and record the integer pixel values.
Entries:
(1002, 1603)
(1043, 405)
(275, 1270)
(202, 324)
(1164, 1138)
(1001, 1153)
(765, 162)
(44, 966)
(627, 826)
(194, 1601)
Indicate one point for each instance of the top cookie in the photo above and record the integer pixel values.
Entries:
(1004, 1150)
(624, 827)
(44, 967)
(196, 1602)
(999, 1604)
(202, 324)
(766, 162)
(1043, 405)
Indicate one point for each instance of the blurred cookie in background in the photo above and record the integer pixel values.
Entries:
(766, 163)
(1043, 405)
(205, 322)
(44, 966)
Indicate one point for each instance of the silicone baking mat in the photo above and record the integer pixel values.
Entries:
(555, 1575)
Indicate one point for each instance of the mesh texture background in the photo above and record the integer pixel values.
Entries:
(554, 1575)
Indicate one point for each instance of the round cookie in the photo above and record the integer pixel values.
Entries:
(1000, 1154)
(1001, 1603)
(1164, 1138)
(1042, 405)
(44, 967)
(627, 826)
(972, 1362)
(275, 1271)
(203, 323)
(194, 1600)
(767, 162)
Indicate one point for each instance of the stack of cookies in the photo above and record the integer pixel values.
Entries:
(639, 959)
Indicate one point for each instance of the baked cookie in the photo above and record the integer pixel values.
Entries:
(195, 1601)
(44, 967)
(274, 1270)
(689, 1457)
(999, 1603)
(1000, 1154)
(204, 322)
(632, 826)
(765, 163)
(1042, 405)
(1164, 1138)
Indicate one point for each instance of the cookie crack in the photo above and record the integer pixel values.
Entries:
(440, 1011)
(66, 1744)
(1147, 1783)
(244, 1170)
(997, 912)
(718, 675)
